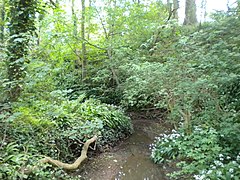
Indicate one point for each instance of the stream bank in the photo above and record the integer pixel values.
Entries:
(130, 160)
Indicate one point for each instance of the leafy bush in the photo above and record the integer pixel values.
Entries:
(195, 153)
(143, 86)
(102, 87)
(57, 129)
(229, 128)
(223, 168)
(76, 119)
(204, 93)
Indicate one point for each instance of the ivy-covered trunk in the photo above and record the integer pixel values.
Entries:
(2, 20)
(21, 16)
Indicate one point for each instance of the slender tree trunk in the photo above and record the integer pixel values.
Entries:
(39, 28)
(204, 9)
(173, 9)
(238, 7)
(74, 19)
(169, 6)
(190, 13)
(89, 19)
(2, 21)
(75, 35)
(84, 52)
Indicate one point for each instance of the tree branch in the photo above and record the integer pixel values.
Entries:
(77, 163)
(53, 3)
(65, 166)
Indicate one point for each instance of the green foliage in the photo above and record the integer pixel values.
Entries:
(14, 160)
(11, 160)
(67, 123)
(196, 153)
(229, 129)
(142, 87)
(102, 87)
(203, 90)
(223, 168)
(134, 59)
(21, 29)
(201, 146)
(200, 77)
(78, 120)
(230, 90)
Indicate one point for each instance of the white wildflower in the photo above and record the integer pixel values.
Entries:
(209, 171)
(199, 177)
(220, 155)
(231, 170)
(219, 173)
(238, 157)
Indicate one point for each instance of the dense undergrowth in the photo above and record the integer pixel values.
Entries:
(56, 128)
(204, 99)
(194, 76)
(46, 121)
(192, 73)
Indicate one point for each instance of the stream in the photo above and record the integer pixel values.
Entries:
(130, 160)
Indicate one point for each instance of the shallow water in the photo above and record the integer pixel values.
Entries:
(139, 166)
(130, 160)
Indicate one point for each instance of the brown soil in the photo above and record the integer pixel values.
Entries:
(130, 156)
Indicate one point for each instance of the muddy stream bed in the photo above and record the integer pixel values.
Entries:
(130, 160)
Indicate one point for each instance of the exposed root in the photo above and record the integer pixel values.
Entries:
(77, 163)
(66, 166)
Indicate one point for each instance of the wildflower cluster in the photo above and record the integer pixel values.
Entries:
(164, 146)
(224, 167)
(200, 149)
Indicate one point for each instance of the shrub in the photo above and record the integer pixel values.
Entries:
(224, 167)
(143, 86)
(194, 153)
(56, 129)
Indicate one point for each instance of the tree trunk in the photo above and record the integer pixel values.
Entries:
(169, 7)
(39, 28)
(74, 19)
(21, 26)
(89, 20)
(2, 21)
(238, 7)
(190, 13)
(204, 10)
(173, 9)
(84, 56)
